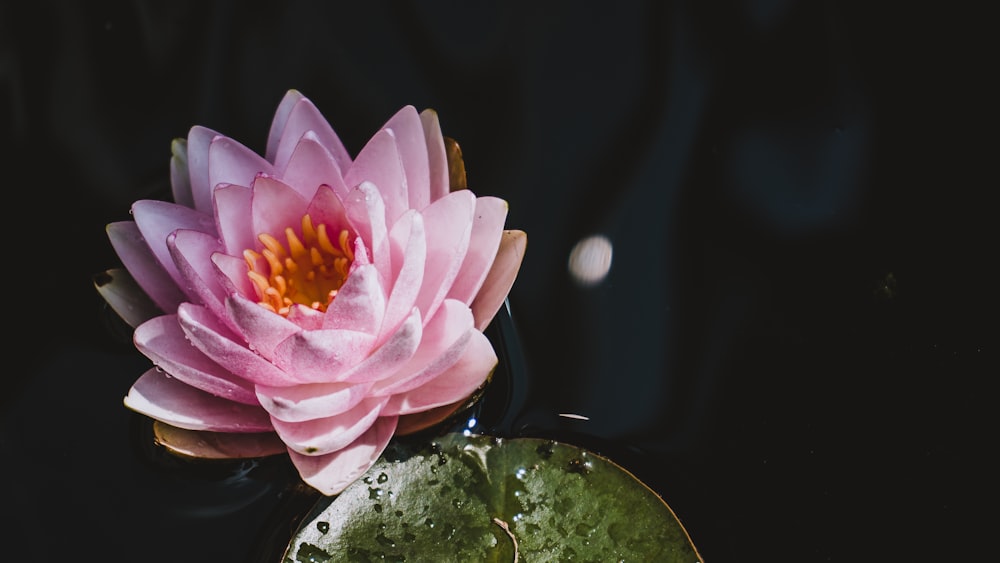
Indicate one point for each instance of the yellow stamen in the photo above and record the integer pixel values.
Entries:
(309, 270)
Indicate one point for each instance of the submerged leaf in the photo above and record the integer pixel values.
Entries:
(478, 498)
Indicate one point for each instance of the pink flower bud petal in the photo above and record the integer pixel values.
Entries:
(147, 271)
(162, 341)
(326, 435)
(332, 473)
(456, 383)
(232, 207)
(311, 166)
(165, 398)
(229, 162)
(379, 163)
(208, 335)
(487, 229)
(310, 401)
(408, 131)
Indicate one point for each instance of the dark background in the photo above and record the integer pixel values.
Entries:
(794, 342)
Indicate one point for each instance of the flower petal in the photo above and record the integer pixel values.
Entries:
(234, 277)
(232, 207)
(321, 356)
(332, 473)
(326, 435)
(396, 350)
(198, 140)
(408, 131)
(217, 342)
(162, 341)
(288, 102)
(458, 382)
(229, 162)
(311, 165)
(302, 118)
(487, 230)
(164, 398)
(448, 223)
(148, 272)
(157, 219)
(192, 253)
(298, 403)
(326, 208)
(415, 422)
(180, 176)
(217, 445)
(436, 155)
(500, 279)
(408, 245)
(123, 294)
(263, 329)
(444, 341)
(274, 207)
(366, 213)
(359, 304)
(306, 317)
(379, 163)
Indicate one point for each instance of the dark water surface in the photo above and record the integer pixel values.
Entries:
(794, 339)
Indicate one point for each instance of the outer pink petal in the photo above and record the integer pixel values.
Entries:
(408, 245)
(157, 219)
(455, 384)
(192, 253)
(390, 356)
(162, 341)
(322, 356)
(263, 329)
(148, 272)
(232, 208)
(408, 130)
(279, 121)
(436, 155)
(123, 294)
(360, 303)
(379, 163)
(445, 338)
(332, 473)
(180, 176)
(276, 206)
(198, 140)
(366, 213)
(311, 166)
(448, 222)
(501, 277)
(487, 229)
(220, 344)
(327, 435)
(305, 117)
(164, 398)
(229, 162)
(310, 401)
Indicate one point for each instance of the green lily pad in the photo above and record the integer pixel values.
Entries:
(479, 498)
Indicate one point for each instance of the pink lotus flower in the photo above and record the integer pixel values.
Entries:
(308, 296)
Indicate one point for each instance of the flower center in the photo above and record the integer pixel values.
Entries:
(307, 271)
